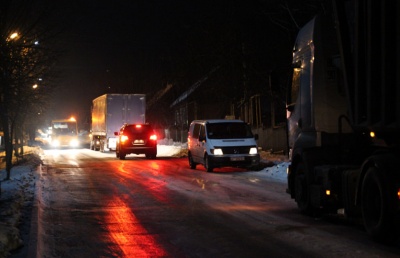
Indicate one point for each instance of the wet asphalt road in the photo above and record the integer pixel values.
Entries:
(91, 204)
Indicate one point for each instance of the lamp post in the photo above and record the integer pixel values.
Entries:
(13, 36)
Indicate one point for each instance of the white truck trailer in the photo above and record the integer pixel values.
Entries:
(110, 112)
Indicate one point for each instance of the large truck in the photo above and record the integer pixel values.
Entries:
(343, 113)
(110, 112)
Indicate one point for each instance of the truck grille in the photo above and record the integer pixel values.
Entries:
(235, 150)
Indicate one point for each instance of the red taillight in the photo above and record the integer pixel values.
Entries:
(124, 138)
(138, 126)
(153, 137)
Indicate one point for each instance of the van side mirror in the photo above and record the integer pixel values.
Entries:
(116, 133)
(256, 136)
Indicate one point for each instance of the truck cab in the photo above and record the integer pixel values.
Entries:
(343, 116)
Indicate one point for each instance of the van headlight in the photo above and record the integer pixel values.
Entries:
(218, 152)
(55, 143)
(253, 150)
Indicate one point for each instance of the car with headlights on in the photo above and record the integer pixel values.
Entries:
(136, 139)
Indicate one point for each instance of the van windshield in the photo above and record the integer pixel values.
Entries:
(228, 131)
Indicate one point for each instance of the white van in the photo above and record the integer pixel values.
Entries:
(222, 143)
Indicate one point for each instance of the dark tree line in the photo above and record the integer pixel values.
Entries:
(250, 42)
(26, 75)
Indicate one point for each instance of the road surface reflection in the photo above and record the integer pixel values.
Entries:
(131, 239)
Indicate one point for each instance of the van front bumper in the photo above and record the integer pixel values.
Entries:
(234, 160)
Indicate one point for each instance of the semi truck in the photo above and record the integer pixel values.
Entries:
(343, 116)
(109, 113)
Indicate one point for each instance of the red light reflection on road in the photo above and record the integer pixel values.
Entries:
(154, 165)
(126, 232)
(154, 186)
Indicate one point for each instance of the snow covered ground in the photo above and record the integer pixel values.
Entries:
(20, 189)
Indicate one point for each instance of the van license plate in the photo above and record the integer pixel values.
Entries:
(237, 158)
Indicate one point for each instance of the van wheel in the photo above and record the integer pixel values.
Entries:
(121, 155)
(208, 164)
(192, 164)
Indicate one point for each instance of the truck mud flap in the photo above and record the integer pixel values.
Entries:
(350, 179)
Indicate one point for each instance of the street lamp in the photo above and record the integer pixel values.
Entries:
(13, 36)
(34, 86)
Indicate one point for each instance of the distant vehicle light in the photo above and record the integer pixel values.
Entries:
(153, 137)
(372, 134)
(55, 143)
(253, 150)
(74, 143)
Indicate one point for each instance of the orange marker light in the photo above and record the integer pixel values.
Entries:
(328, 192)
(398, 193)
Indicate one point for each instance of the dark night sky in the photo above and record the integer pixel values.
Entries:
(126, 46)
(112, 45)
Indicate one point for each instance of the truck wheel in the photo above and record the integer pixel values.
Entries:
(208, 164)
(192, 164)
(302, 190)
(378, 207)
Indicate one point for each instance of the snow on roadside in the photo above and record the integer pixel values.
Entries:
(277, 171)
(14, 195)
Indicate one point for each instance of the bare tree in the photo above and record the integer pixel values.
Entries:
(25, 67)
